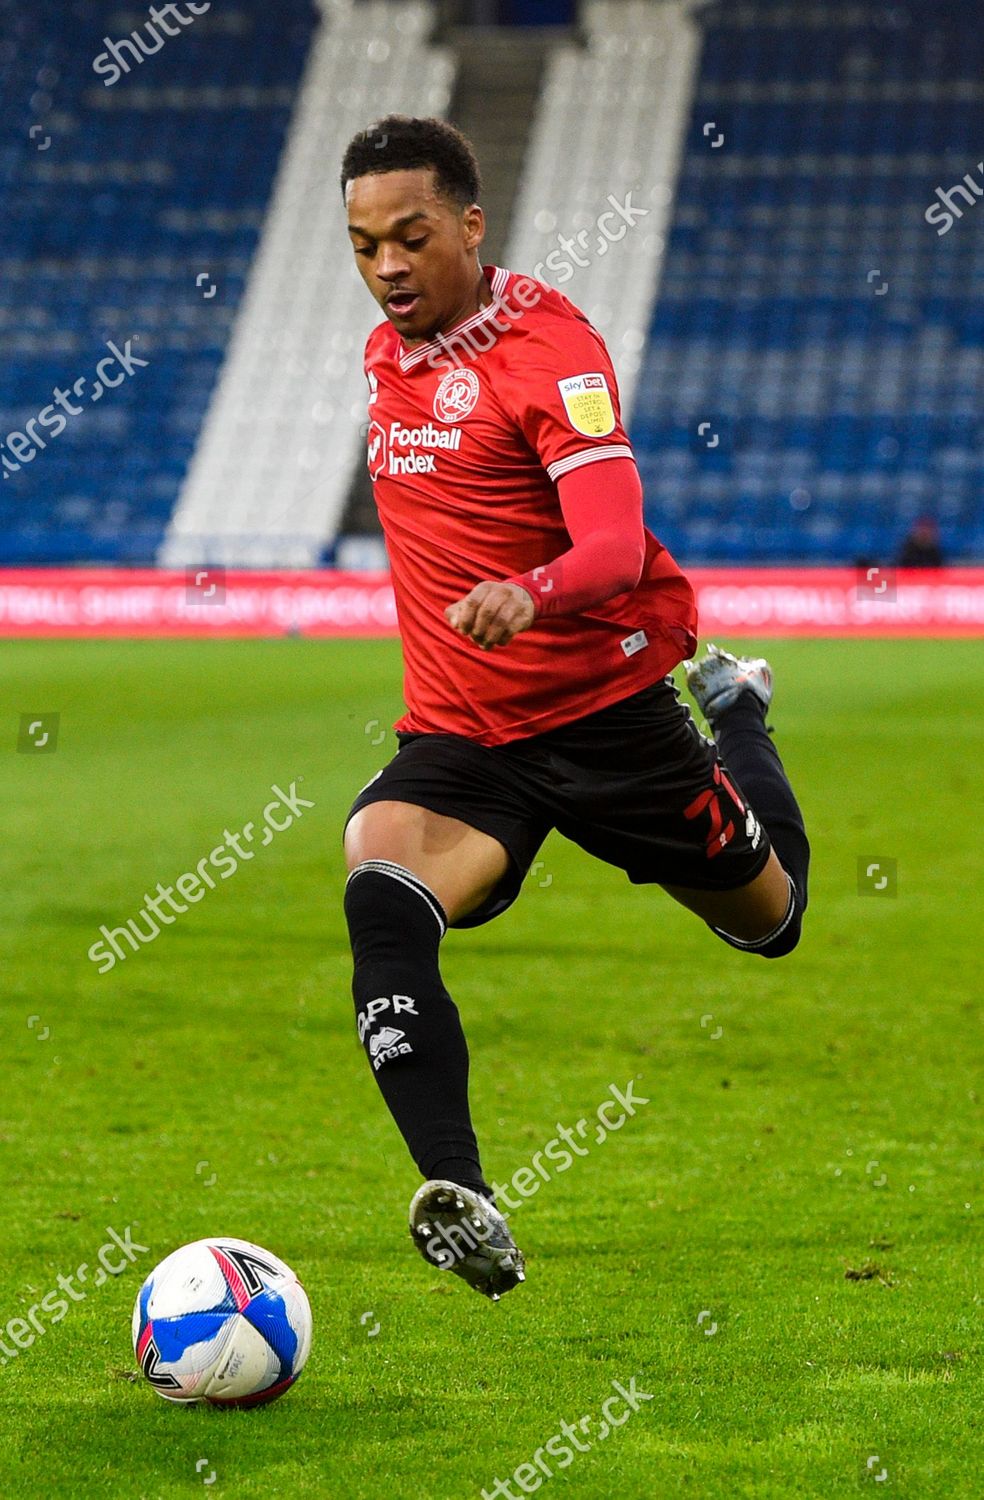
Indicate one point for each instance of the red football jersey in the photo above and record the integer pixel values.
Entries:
(468, 435)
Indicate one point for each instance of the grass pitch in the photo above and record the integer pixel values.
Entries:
(781, 1248)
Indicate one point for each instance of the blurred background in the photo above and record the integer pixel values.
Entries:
(770, 210)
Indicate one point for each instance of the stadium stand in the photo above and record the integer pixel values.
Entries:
(507, 13)
(813, 378)
(286, 429)
(627, 78)
(609, 129)
(118, 197)
(797, 323)
(499, 73)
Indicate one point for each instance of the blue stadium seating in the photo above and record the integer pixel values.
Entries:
(814, 375)
(123, 196)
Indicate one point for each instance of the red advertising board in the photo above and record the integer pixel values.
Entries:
(733, 602)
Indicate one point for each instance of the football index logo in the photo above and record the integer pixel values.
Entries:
(456, 396)
(376, 449)
(588, 404)
(398, 451)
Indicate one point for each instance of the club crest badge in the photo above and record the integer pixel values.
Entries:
(588, 403)
(456, 396)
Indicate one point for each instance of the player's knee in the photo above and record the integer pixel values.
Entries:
(785, 941)
(391, 913)
(396, 924)
(781, 939)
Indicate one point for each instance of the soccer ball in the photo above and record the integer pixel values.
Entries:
(222, 1321)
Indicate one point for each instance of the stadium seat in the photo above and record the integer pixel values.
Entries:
(125, 205)
(799, 349)
(808, 312)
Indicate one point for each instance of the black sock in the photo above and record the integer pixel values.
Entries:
(408, 1023)
(752, 760)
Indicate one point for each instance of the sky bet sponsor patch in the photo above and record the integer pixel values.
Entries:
(588, 404)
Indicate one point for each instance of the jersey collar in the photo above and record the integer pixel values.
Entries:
(497, 277)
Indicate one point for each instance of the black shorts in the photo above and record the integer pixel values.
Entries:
(635, 784)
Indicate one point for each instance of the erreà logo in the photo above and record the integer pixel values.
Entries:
(388, 1037)
(386, 1045)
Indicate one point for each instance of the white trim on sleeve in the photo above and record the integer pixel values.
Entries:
(588, 456)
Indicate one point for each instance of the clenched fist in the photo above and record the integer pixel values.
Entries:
(492, 614)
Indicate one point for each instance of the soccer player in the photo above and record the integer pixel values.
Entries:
(539, 620)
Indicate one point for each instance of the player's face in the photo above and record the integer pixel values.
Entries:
(416, 252)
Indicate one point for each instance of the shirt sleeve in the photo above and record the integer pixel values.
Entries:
(564, 396)
(602, 509)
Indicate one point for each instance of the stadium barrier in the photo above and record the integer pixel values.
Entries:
(214, 602)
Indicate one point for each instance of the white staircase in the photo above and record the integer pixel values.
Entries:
(281, 439)
(611, 123)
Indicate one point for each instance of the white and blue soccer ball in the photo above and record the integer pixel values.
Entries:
(222, 1321)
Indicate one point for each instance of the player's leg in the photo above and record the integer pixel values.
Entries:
(411, 872)
(764, 916)
(749, 914)
(460, 864)
(642, 789)
(416, 867)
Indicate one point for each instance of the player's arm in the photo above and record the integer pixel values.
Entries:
(602, 508)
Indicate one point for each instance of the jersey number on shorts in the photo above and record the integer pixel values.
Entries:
(721, 833)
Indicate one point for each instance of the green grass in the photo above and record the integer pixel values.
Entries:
(833, 1124)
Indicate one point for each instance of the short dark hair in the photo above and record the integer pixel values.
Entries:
(399, 143)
